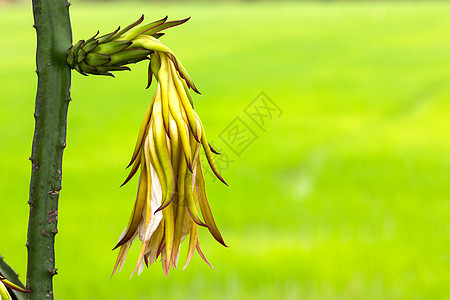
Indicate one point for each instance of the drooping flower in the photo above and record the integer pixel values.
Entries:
(4, 284)
(171, 189)
(171, 201)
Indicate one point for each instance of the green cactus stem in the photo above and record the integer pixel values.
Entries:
(54, 37)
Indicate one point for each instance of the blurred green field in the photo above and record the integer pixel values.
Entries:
(343, 196)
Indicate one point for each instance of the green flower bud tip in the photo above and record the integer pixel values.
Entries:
(112, 51)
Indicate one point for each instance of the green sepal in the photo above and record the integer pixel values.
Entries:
(104, 70)
(163, 26)
(78, 68)
(89, 46)
(97, 59)
(139, 21)
(70, 58)
(84, 68)
(107, 37)
(129, 56)
(81, 55)
(101, 70)
(72, 53)
(158, 35)
(113, 47)
(93, 37)
(134, 33)
(77, 46)
(150, 75)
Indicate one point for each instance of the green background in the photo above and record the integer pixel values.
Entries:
(343, 196)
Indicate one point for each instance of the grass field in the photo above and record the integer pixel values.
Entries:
(345, 195)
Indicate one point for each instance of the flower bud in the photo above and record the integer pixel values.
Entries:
(115, 50)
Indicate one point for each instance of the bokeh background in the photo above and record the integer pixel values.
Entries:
(342, 192)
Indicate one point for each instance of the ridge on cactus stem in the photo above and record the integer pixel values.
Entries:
(171, 202)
